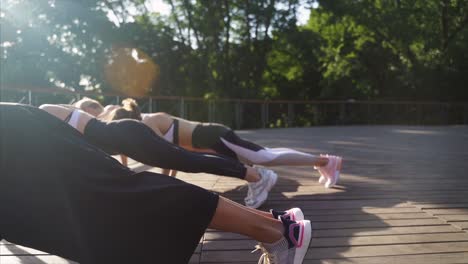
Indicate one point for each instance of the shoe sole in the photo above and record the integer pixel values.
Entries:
(302, 251)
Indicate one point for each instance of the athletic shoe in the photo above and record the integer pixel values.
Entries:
(258, 191)
(330, 171)
(294, 214)
(323, 177)
(333, 180)
(292, 248)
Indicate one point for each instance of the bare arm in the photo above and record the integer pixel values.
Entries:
(61, 112)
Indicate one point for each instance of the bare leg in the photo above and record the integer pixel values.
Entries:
(233, 217)
(262, 213)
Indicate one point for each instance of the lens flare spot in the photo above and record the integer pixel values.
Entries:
(131, 71)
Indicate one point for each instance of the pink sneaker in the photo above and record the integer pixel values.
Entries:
(331, 171)
(323, 177)
(294, 214)
(290, 249)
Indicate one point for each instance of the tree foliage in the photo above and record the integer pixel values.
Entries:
(368, 49)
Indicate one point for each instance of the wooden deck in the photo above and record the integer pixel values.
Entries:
(402, 198)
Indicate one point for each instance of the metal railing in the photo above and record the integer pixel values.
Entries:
(246, 113)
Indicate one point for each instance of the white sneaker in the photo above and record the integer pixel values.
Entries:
(258, 191)
(292, 248)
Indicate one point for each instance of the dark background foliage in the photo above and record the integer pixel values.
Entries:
(368, 49)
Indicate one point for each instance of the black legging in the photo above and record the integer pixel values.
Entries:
(64, 196)
(137, 141)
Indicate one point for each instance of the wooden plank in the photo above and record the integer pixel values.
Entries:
(2, 242)
(384, 231)
(461, 225)
(45, 259)
(376, 223)
(332, 205)
(387, 250)
(195, 259)
(450, 218)
(362, 211)
(350, 232)
(361, 217)
(442, 205)
(294, 196)
(446, 211)
(389, 240)
(346, 252)
(346, 241)
(198, 248)
(444, 258)
(12, 249)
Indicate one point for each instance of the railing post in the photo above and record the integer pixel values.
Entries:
(264, 110)
(419, 114)
(262, 115)
(316, 113)
(155, 106)
(30, 97)
(465, 116)
(117, 100)
(213, 111)
(150, 105)
(343, 113)
(182, 108)
(210, 112)
(368, 113)
(238, 115)
(290, 114)
(447, 115)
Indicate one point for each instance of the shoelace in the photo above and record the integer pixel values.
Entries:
(266, 257)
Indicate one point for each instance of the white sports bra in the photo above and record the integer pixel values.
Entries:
(169, 136)
(73, 118)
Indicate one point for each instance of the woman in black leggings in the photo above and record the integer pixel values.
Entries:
(137, 141)
(220, 139)
(62, 195)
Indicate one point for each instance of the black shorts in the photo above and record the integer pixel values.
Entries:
(64, 196)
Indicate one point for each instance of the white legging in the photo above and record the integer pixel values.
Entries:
(272, 156)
